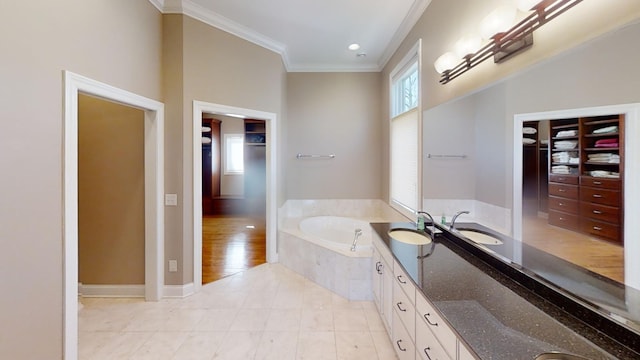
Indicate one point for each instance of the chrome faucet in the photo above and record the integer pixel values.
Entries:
(358, 233)
(433, 223)
(453, 219)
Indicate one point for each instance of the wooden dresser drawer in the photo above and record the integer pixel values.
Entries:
(565, 179)
(600, 196)
(565, 205)
(600, 212)
(564, 220)
(613, 184)
(605, 230)
(562, 190)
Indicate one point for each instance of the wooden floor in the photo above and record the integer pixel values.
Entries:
(597, 255)
(230, 245)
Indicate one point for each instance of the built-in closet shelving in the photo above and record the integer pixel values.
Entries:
(255, 166)
(585, 177)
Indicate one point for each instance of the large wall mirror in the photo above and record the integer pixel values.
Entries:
(586, 89)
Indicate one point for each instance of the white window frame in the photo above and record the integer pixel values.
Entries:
(412, 59)
(229, 141)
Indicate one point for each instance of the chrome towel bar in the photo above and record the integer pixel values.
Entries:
(305, 156)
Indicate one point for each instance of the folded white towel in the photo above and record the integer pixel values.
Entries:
(608, 129)
(206, 140)
(206, 129)
(528, 141)
(567, 133)
(529, 130)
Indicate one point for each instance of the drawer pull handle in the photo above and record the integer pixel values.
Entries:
(560, 204)
(426, 317)
(561, 190)
(561, 179)
(379, 267)
(399, 308)
(400, 279)
(597, 212)
(426, 352)
(399, 346)
(597, 183)
(597, 228)
(597, 196)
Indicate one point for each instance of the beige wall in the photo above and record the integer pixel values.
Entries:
(206, 64)
(334, 113)
(110, 193)
(114, 41)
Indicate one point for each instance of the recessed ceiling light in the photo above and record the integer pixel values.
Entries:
(354, 46)
(361, 55)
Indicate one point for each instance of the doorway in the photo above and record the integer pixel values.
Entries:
(74, 85)
(200, 108)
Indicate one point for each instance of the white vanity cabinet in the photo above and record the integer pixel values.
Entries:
(383, 281)
(435, 338)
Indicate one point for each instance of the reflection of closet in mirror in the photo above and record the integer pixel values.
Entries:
(535, 145)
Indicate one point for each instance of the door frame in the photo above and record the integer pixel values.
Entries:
(199, 108)
(75, 84)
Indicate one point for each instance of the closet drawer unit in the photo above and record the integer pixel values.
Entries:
(613, 184)
(605, 230)
(600, 212)
(565, 205)
(562, 190)
(600, 196)
(564, 220)
(565, 179)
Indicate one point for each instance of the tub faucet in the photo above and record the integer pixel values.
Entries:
(358, 233)
(433, 223)
(453, 219)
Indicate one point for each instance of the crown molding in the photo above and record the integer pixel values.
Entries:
(159, 4)
(414, 14)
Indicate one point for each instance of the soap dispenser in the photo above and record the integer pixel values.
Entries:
(443, 219)
(420, 222)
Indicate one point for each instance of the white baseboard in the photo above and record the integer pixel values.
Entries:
(133, 291)
(178, 291)
(127, 291)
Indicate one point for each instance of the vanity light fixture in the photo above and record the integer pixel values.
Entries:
(505, 42)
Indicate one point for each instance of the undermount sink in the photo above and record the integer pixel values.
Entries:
(409, 236)
(479, 237)
(553, 355)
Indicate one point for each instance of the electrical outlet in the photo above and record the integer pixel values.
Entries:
(171, 199)
(173, 265)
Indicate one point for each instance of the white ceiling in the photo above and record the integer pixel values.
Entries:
(312, 35)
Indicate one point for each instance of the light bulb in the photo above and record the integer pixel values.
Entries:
(446, 61)
(467, 44)
(499, 20)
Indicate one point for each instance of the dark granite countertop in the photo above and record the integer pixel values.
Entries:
(504, 310)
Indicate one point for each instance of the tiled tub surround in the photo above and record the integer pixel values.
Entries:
(326, 261)
(497, 315)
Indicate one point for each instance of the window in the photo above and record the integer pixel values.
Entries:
(233, 154)
(405, 135)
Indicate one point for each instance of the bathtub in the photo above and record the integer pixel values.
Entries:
(337, 233)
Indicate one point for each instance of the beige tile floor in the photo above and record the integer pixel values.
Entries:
(267, 312)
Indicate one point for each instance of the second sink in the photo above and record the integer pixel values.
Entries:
(409, 236)
(479, 237)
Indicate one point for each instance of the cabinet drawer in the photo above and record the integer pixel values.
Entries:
(565, 205)
(605, 230)
(562, 190)
(565, 179)
(600, 212)
(404, 281)
(567, 221)
(426, 313)
(405, 310)
(427, 345)
(613, 184)
(600, 196)
(402, 343)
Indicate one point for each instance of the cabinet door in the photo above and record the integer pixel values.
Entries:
(387, 294)
(376, 279)
(427, 345)
(426, 312)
